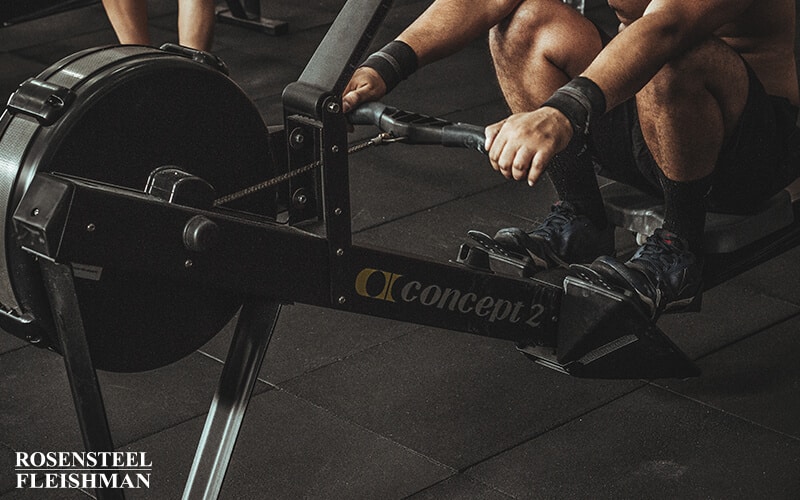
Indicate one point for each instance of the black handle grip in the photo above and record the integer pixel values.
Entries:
(416, 128)
(464, 135)
(367, 114)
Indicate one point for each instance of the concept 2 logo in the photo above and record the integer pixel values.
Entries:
(393, 287)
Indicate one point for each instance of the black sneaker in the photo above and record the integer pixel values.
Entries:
(563, 238)
(663, 272)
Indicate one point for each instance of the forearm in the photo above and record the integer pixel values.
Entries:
(635, 55)
(664, 32)
(449, 25)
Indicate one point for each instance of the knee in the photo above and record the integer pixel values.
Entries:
(678, 79)
(525, 23)
(526, 19)
(548, 29)
(709, 69)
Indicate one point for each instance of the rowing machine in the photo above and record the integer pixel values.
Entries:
(146, 231)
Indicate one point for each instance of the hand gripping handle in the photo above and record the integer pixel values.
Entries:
(415, 128)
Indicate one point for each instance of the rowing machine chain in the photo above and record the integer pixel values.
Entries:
(382, 138)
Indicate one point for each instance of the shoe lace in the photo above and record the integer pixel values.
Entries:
(661, 253)
(559, 216)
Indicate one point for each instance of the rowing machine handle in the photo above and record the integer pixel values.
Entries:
(419, 129)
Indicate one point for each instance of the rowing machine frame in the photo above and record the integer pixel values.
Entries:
(578, 327)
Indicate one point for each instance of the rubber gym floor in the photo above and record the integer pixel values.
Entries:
(351, 406)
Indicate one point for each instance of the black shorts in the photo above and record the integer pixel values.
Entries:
(759, 159)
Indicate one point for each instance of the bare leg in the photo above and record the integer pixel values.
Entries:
(129, 20)
(690, 106)
(196, 23)
(539, 48)
(686, 111)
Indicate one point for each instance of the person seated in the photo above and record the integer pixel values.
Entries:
(195, 22)
(695, 102)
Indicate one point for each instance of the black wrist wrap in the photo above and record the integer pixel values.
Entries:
(394, 63)
(581, 101)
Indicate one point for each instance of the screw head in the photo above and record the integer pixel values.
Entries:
(342, 299)
(300, 198)
(90, 227)
(297, 138)
(333, 107)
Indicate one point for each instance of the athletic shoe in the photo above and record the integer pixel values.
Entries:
(664, 273)
(563, 238)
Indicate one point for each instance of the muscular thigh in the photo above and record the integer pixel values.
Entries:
(752, 164)
(710, 71)
(538, 48)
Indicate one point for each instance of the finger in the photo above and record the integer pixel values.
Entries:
(348, 103)
(351, 100)
(491, 132)
(538, 165)
(522, 163)
(496, 150)
(506, 159)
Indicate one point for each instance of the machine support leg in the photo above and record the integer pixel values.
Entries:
(82, 376)
(249, 345)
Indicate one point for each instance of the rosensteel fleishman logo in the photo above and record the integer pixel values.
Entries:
(86, 470)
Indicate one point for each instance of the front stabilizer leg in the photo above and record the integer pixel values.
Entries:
(603, 333)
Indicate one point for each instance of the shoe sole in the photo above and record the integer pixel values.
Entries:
(689, 304)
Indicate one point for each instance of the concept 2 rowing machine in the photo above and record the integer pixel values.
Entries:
(138, 221)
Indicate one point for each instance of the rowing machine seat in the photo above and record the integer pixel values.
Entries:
(640, 213)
